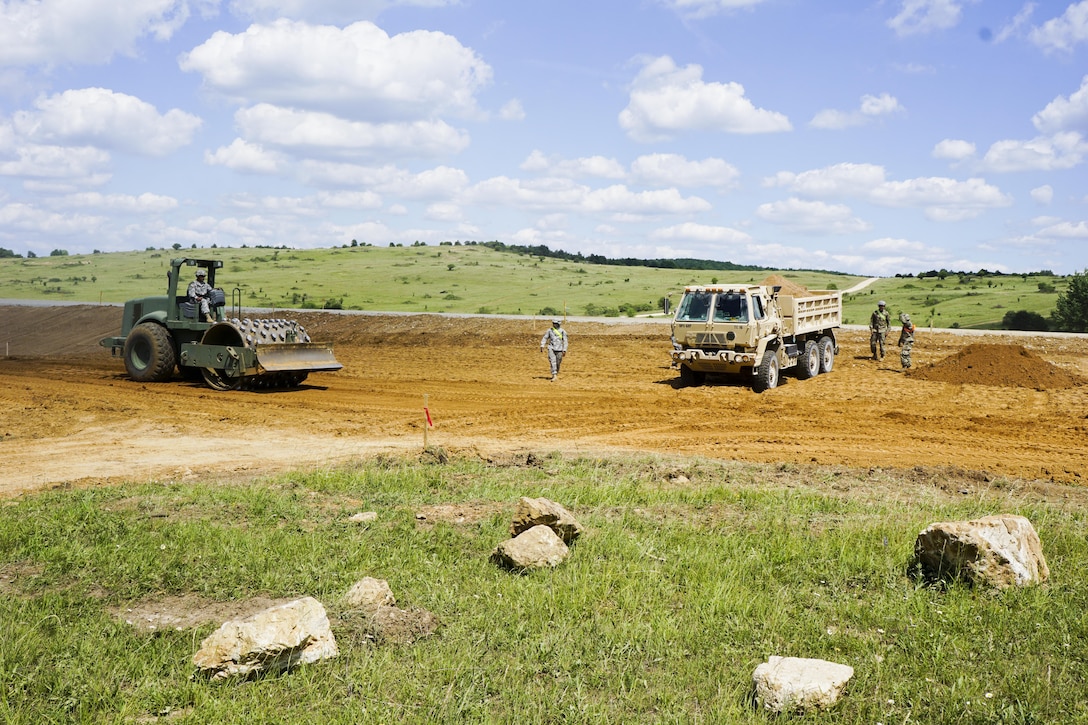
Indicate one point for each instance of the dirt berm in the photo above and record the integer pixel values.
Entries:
(1001, 405)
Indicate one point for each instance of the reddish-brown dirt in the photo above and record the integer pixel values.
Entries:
(70, 416)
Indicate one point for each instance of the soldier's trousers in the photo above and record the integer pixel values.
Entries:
(555, 359)
(904, 355)
(876, 343)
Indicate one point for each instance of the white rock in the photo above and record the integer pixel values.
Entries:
(792, 684)
(1001, 551)
(273, 640)
(369, 593)
(536, 548)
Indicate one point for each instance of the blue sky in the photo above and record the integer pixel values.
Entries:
(871, 137)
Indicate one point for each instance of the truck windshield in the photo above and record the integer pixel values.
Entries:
(694, 307)
(731, 307)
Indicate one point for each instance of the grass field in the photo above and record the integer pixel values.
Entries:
(476, 279)
(669, 601)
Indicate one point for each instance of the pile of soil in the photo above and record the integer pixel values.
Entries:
(788, 288)
(1001, 365)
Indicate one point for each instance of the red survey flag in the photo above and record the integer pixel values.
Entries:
(427, 413)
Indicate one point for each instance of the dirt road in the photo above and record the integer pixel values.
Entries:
(1016, 406)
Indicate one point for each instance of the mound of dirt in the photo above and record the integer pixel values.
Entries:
(1001, 365)
(788, 288)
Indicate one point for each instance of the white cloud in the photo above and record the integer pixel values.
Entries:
(245, 157)
(145, 203)
(1064, 32)
(1043, 153)
(43, 224)
(1065, 114)
(706, 8)
(357, 72)
(324, 133)
(55, 168)
(325, 11)
(1065, 230)
(812, 217)
(675, 170)
(941, 198)
(666, 100)
(591, 166)
(918, 17)
(1043, 194)
(105, 119)
(700, 233)
(553, 194)
(33, 32)
(618, 199)
(840, 180)
(954, 149)
(1014, 27)
(443, 211)
(512, 111)
(441, 182)
(871, 108)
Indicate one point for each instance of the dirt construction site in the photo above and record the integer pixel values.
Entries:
(997, 404)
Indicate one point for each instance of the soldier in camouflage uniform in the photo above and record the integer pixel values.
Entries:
(555, 341)
(879, 325)
(906, 339)
(198, 293)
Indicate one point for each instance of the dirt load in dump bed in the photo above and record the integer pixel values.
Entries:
(70, 416)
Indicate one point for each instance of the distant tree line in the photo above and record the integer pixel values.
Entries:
(541, 250)
(946, 273)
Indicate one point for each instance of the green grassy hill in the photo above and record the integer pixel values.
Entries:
(478, 279)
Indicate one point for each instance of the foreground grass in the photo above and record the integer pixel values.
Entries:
(667, 604)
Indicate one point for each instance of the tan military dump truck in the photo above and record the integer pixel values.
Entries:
(754, 331)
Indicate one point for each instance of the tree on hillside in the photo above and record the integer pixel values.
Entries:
(1024, 320)
(1071, 309)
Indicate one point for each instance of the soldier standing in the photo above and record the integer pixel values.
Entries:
(555, 340)
(906, 339)
(879, 324)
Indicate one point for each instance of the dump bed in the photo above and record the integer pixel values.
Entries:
(812, 312)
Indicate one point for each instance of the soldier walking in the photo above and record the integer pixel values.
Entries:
(555, 340)
(879, 324)
(906, 339)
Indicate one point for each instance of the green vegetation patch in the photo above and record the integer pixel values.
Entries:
(690, 574)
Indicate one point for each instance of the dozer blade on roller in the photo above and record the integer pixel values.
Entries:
(296, 356)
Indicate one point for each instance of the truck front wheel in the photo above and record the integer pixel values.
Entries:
(766, 375)
(809, 364)
(691, 377)
(149, 353)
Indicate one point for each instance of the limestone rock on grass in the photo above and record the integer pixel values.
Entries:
(796, 684)
(537, 548)
(999, 551)
(272, 640)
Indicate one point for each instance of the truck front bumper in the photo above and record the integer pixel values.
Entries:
(714, 361)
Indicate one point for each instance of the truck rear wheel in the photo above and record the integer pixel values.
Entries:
(766, 375)
(827, 353)
(149, 353)
(809, 364)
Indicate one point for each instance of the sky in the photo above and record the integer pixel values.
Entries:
(872, 137)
